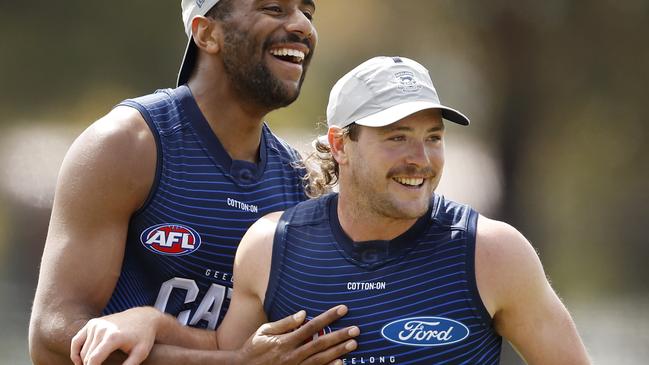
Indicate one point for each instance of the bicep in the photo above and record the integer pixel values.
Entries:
(527, 311)
(539, 326)
(243, 318)
(251, 273)
(537, 323)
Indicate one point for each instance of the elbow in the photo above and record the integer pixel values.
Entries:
(38, 349)
(46, 345)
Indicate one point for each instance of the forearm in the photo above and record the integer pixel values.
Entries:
(171, 332)
(160, 355)
(172, 355)
(49, 356)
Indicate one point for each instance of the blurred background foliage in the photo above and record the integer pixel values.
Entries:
(556, 91)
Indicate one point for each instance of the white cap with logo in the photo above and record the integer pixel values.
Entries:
(384, 90)
(191, 9)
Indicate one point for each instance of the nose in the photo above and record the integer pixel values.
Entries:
(298, 23)
(418, 154)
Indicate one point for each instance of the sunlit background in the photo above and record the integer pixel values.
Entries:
(556, 91)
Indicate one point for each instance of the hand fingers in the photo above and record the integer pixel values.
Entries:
(77, 343)
(88, 343)
(284, 325)
(329, 347)
(316, 324)
(137, 355)
(100, 351)
(330, 355)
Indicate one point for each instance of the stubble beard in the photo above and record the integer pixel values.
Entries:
(381, 203)
(253, 80)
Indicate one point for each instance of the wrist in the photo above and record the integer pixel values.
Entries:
(163, 324)
(237, 357)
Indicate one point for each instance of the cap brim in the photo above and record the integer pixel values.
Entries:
(187, 65)
(398, 112)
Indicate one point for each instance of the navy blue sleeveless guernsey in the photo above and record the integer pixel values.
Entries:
(181, 244)
(414, 298)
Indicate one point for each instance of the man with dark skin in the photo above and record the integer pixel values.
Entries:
(133, 224)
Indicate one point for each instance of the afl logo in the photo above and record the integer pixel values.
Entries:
(171, 239)
(425, 331)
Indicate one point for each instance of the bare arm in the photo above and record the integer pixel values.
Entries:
(246, 313)
(95, 196)
(251, 272)
(243, 336)
(525, 308)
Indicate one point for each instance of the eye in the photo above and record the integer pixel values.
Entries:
(308, 15)
(397, 138)
(273, 9)
(434, 138)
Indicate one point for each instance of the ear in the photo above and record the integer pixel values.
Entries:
(337, 145)
(207, 34)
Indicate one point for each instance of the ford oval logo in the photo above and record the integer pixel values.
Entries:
(171, 239)
(425, 331)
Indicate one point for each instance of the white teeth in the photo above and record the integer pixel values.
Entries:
(288, 52)
(409, 181)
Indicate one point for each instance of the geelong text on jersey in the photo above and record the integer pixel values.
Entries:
(370, 360)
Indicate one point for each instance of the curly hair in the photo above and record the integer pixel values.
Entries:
(322, 168)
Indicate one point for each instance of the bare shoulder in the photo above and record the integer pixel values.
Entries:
(254, 255)
(500, 241)
(117, 152)
(506, 263)
(122, 135)
(258, 240)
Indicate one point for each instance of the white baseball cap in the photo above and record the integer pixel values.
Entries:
(191, 9)
(382, 91)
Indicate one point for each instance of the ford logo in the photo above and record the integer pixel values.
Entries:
(425, 331)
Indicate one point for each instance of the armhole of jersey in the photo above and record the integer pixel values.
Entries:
(156, 136)
(471, 229)
(279, 245)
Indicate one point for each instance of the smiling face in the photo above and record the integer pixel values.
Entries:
(267, 48)
(392, 171)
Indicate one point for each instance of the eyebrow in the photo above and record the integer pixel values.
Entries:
(406, 129)
(309, 3)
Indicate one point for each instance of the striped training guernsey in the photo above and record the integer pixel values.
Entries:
(414, 298)
(181, 244)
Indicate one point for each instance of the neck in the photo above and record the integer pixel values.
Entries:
(236, 123)
(361, 223)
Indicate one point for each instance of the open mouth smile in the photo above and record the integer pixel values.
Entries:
(411, 182)
(291, 55)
